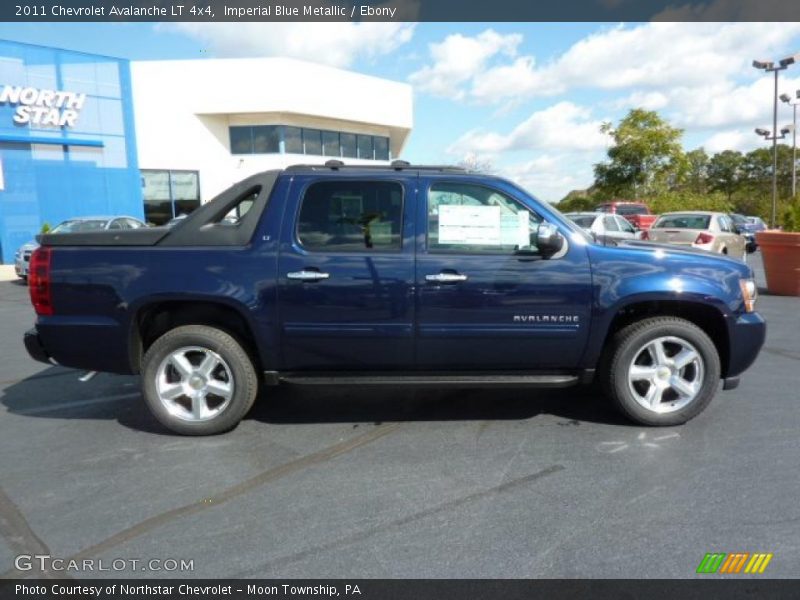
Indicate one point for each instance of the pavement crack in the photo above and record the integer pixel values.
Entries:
(782, 352)
(408, 519)
(230, 493)
(14, 528)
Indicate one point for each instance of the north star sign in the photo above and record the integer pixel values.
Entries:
(42, 106)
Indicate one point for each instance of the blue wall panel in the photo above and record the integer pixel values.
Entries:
(88, 169)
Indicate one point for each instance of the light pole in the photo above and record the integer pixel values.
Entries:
(774, 137)
(786, 98)
(770, 67)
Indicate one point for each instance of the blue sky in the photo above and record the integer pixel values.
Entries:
(527, 97)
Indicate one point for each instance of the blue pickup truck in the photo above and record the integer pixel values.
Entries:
(389, 275)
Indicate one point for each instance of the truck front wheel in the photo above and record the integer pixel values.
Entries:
(661, 371)
(198, 380)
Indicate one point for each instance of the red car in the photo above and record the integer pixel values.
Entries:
(636, 213)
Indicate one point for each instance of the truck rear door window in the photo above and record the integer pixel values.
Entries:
(351, 216)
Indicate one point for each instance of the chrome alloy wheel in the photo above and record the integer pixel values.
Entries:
(666, 374)
(194, 383)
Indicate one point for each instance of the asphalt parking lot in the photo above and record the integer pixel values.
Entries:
(371, 482)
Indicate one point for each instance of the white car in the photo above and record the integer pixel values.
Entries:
(603, 226)
(22, 256)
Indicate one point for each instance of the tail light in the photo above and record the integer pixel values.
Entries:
(39, 281)
(644, 235)
(704, 238)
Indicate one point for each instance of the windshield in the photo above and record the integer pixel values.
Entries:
(79, 225)
(632, 209)
(683, 222)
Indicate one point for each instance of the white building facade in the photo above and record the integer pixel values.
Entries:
(202, 125)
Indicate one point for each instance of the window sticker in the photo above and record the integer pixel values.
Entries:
(473, 225)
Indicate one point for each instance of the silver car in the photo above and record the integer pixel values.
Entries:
(603, 226)
(22, 256)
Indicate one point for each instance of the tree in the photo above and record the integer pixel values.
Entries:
(473, 162)
(646, 157)
(696, 171)
(725, 172)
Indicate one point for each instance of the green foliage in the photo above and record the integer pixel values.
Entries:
(576, 204)
(725, 172)
(685, 200)
(45, 228)
(646, 158)
(790, 219)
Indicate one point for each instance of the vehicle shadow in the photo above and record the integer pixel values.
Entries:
(56, 394)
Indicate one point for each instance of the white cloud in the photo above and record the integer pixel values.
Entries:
(335, 44)
(457, 58)
(549, 177)
(562, 126)
(658, 56)
(729, 140)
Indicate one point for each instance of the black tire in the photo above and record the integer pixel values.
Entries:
(629, 342)
(240, 366)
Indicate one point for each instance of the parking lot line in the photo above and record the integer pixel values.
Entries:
(37, 410)
(232, 492)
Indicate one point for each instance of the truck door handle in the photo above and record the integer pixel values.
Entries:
(307, 275)
(446, 277)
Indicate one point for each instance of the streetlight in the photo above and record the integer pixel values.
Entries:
(770, 67)
(788, 99)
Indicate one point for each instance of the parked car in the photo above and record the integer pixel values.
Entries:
(637, 213)
(396, 275)
(745, 228)
(711, 231)
(602, 226)
(758, 222)
(23, 254)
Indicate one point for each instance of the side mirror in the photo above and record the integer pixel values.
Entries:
(548, 239)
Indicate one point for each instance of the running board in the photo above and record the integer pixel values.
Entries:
(417, 379)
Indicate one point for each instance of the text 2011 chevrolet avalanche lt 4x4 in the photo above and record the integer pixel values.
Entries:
(396, 274)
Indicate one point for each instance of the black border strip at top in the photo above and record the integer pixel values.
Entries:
(398, 10)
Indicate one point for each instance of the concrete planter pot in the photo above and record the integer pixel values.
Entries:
(781, 252)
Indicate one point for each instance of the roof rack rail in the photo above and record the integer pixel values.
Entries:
(397, 165)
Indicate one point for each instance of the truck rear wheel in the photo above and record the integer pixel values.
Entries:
(198, 380)
(661, 371)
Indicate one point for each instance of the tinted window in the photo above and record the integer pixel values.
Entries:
(117, 224)
(365, 146)
(241, 140)
(266, 139)
(683, 222)
(631, 209)
(312, 139)
(293, 140)
(381, 148)
(348, 141)
(351, 216)
(330, 143)
(477, 219)
(604, 208)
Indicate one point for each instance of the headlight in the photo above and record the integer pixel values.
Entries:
(749, 294)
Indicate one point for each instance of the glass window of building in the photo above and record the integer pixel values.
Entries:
(381, 148)
(365, 147)
(266, 139)
(168, 194)
(348, 141)
(292, 140)
(241, 140)
(312, 141)
(330, 143)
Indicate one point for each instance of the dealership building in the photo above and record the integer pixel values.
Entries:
(84, 134)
